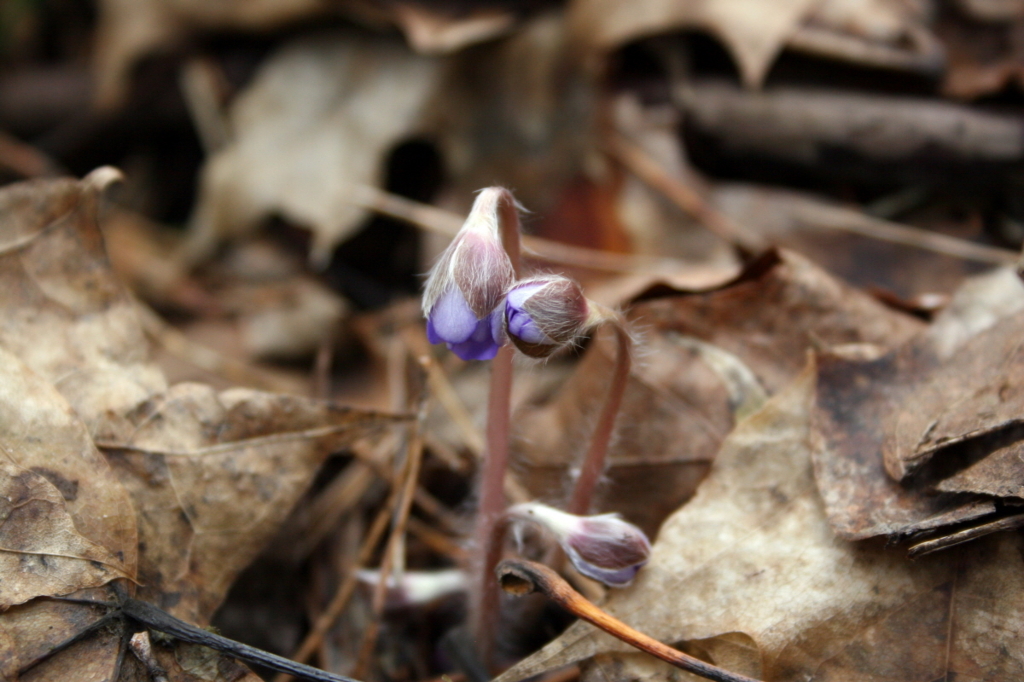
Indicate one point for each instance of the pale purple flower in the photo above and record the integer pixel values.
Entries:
(603, 547)
(465, 288)
(545, 313)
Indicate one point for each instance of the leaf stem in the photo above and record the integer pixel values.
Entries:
(520, 577)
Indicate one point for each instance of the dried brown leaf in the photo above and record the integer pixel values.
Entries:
(66, 523)
(206, 477)
(313, 126)
(213, 476)
(888, 404)
(61, 310)
(132, 29)
(753, 553)
(754, 32)
(707, 359)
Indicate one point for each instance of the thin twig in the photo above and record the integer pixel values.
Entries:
(161, 621)
(693, 204)
(24, 159)
(520, 577)
(811, 214)
(594, 460)
(822, 216)
(442, 389)
(394, 560)
(447, 223)
(180, 346)
(345, 590)
(436, 540)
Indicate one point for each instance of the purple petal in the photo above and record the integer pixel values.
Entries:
(518, 295)
(522, 326)
(432, 333)
(451, 318)
(614, 577)
(480, 345)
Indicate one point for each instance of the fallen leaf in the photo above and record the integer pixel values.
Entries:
(865, 405)
(430, 30)
(326, 110)
(753, 554)
(706, 360)
(61, 310)
(887, 34)
(131, 29)
(754, 32)
(193, 480)
(213, 476)
(974, 394)
(66, 523)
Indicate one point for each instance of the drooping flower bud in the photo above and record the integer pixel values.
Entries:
(465, 287)
(603, 547)
(545, 313)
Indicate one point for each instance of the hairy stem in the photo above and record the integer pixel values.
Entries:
(594, 460)
(489, 533)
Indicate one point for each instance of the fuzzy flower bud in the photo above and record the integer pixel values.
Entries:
(464, 291)
(545, 313)
(603, 547)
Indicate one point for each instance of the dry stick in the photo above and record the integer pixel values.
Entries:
(340, 599)
(693, 204)
(822, 216)
(24, 159)
(393, 553)
(812, 214)
(436, 540)
(523, 577)
(422, 498)
(447, 223)
(594, 460)
(180, 346)
(488, 535)
(442, 389)
(393, 561)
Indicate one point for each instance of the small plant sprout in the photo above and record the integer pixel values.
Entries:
(463, 306)
(604, 547)
(417, 588)
(467, 284)
(546, 313)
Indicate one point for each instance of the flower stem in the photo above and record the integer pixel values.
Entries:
(594, 460)
(489, 533)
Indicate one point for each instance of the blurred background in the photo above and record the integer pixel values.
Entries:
(292, 167)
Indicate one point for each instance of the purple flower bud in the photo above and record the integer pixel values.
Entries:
(545, 313)
(464, 291)
(604, 547)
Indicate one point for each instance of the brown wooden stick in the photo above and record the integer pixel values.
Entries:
(519, 577)
(640, 163)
